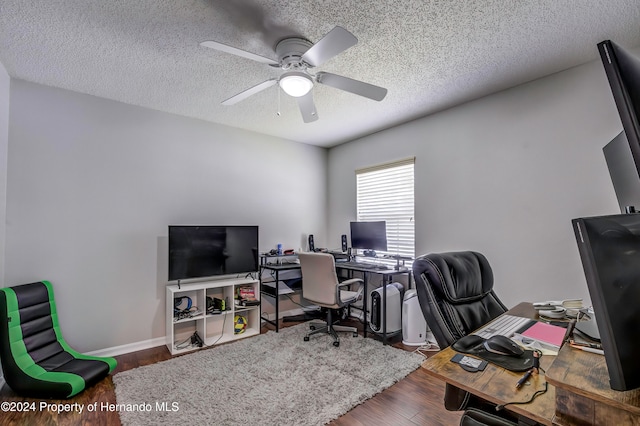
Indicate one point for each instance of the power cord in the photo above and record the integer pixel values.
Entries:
(429, 346)
(191, 312)
(224, 321)
(534, 370)
(183, 345)
(537, 393)
(196, 340)
(193, 340)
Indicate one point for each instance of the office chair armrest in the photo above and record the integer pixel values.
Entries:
(348, 283)
(351, 281)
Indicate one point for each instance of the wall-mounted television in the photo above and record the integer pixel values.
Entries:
(623, 72)
(369, 235)
(207, 251)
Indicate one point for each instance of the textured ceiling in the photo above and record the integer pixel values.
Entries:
(430, 55)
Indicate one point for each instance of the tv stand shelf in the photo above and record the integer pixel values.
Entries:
(216, 328)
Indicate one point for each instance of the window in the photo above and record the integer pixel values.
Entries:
(385, 192)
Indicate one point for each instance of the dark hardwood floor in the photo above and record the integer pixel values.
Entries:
(415, 400)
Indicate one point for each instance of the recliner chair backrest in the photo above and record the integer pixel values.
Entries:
(456, 294)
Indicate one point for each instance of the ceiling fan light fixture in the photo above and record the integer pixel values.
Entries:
(296, 83)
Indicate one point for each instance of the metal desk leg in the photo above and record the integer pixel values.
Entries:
(277, 301)
(384, 309)
(364, 306)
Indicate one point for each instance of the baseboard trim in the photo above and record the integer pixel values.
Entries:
(128, 348)
(161, 341)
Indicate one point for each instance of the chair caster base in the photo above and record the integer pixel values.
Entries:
(336, 344)
(306, 338)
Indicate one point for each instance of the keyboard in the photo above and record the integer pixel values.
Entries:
(362, 265)
(504, 325)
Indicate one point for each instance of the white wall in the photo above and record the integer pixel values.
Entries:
(503, 175)
(93, 185)
(4, 143)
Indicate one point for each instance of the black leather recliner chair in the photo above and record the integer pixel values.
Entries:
(455, 291)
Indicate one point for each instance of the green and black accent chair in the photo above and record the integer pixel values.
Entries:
(36, 361)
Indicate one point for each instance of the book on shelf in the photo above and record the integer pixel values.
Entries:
(246, 292)
(246, 296)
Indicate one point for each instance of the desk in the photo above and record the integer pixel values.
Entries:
(273, 292)
(496, 384)
(583, 394)
(386, 275)
(578, 394)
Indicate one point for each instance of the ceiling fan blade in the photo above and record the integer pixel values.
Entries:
(251, 91)
(235, 51)
(347, 84)
(334, 42)
(307, 108)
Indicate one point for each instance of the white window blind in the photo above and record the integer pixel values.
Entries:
(385, 192)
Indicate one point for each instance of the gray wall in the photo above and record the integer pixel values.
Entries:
(4, 143)
(503, 175)
(93, 184)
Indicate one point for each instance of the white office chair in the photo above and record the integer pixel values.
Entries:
(320, 285)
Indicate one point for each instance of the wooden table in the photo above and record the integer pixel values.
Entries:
(498, 385)
(583, 394)
(578, 386)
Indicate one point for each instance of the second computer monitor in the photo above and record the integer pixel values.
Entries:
(609, 247)
(369, 235)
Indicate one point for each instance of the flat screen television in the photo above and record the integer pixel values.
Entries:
(369, 235)
(206, 251)
(609, 247)
(623, 72)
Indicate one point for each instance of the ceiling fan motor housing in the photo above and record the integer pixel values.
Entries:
(290, 51)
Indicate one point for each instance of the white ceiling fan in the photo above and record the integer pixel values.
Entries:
(297, 56)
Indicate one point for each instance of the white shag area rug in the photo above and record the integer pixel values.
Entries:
(270, 379)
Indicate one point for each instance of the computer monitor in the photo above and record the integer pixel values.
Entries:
(609, 247)
(369, 235)
(623, 172)
(623, 73)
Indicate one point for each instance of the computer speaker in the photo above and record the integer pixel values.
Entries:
(312, 246)
(344, 242)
